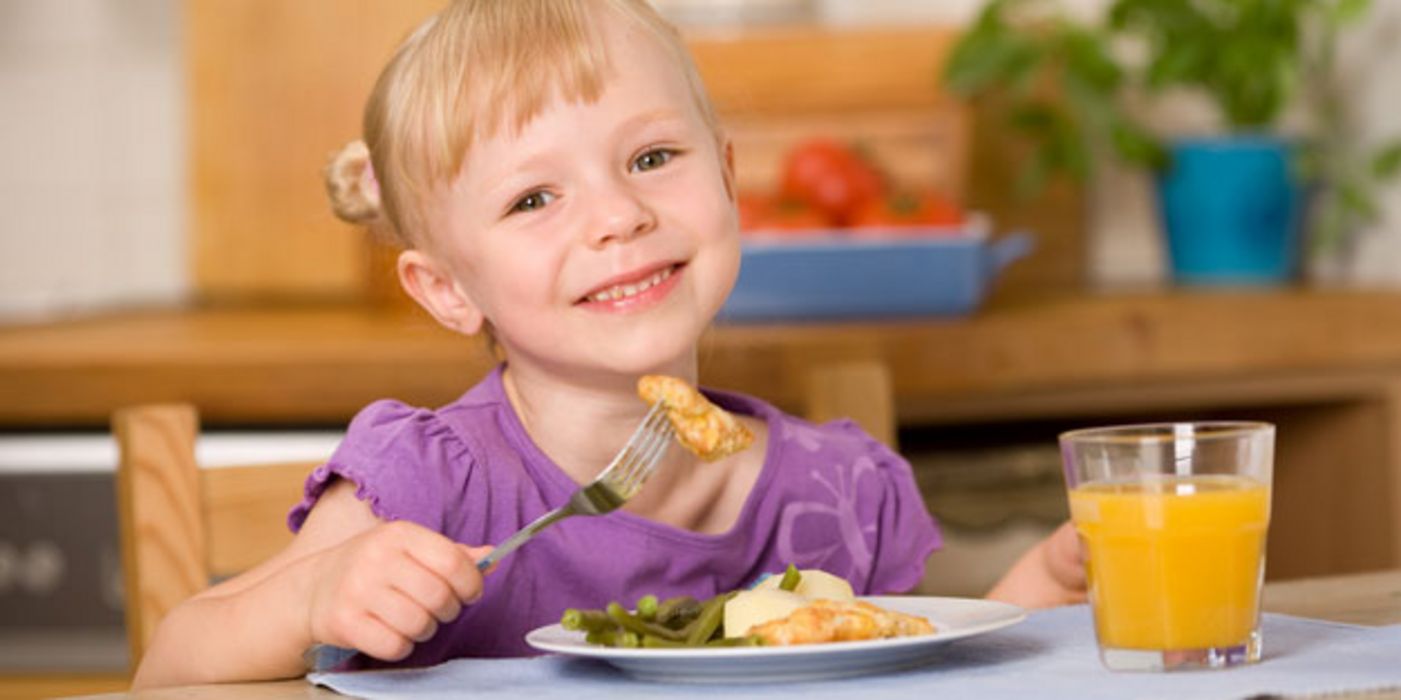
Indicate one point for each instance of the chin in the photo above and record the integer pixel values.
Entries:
(651, 361)
(649, 354)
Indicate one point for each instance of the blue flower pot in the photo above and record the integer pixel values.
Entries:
(1232, 209)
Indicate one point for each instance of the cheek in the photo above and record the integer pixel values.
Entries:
(530, 276)
(715, 212)
(510, 280)
(729, 264)
(720, 241)
(718, 222)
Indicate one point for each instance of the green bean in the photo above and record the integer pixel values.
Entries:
(647, 607)
(701, 607)
(677, 612)
(585, 620)
(681, 621)
(652, 641)
(628, 621)
(709, 620)
(791, 578)
(614, 637)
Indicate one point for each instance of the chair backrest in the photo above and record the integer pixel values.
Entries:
(181, 527)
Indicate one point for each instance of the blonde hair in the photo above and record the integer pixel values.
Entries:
(474, 68)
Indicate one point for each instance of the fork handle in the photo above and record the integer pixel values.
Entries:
(525, 533)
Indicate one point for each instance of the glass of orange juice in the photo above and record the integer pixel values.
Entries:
(1173, 517)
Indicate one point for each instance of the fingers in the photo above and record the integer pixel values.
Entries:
(406, 617)
(1065, 560)
(429, 591)
(387, 590)
(1068, 542)
(446, 559)
(374, 637)
(479, 553)
(361, 629)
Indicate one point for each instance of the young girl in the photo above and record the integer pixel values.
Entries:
(559, 180)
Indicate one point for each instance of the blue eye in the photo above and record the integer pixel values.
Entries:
(654, 158)
(532, 201)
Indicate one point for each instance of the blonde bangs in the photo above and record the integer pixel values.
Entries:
(479, 67)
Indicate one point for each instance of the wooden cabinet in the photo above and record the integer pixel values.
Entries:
(275, 87)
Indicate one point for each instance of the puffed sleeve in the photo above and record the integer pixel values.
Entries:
(404, 461)
(905, 533)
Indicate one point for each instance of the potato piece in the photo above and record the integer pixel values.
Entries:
(818, 584)
(755, 607)
(814, 584)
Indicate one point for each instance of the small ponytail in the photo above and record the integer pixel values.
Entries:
(351, 184)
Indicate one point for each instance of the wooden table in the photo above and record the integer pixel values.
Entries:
(1367, 599)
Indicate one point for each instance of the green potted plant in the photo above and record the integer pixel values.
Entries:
(1234, 206)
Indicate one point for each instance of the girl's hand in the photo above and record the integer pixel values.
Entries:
(1051, 573)
(389, 588)
(1065, 563)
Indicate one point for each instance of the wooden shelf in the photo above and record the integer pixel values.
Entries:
(1019, 357)
(1324, 365)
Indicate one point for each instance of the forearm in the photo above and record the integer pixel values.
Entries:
(257, 633)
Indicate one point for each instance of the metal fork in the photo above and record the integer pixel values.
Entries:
(619, 481)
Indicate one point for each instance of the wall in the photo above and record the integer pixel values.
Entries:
(90, 155)
(1124, 249)
(92, 151)
(1125, 245)
(1371, 60)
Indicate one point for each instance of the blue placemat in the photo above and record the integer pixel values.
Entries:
(1050, 655)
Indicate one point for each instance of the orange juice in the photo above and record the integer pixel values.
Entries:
(1174, 563)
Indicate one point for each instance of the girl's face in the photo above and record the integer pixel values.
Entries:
(601, 236)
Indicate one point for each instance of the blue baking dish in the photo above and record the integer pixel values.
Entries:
(837, 277)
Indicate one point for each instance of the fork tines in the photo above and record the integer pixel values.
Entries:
(644, 450)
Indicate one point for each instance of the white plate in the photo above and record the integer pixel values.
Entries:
(953, 618)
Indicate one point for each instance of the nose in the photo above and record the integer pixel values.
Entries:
(621, 214)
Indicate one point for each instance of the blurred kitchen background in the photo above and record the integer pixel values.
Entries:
(160, 154)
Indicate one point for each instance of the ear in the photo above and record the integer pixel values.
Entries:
(434, 288)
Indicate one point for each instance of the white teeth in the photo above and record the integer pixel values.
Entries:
(622, 291)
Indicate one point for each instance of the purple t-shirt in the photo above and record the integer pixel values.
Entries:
(828, 497)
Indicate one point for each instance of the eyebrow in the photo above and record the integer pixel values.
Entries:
(654, 115)
(506, 188)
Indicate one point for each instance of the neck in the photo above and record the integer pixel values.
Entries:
(581, 423)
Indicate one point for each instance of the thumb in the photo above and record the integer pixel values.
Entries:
(479, 553)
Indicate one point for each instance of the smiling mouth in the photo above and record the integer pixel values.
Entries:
(623, 291)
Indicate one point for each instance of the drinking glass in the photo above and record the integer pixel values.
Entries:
(1173, 518)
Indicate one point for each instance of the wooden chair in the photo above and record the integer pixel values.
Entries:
(181, 527)
(857, 389)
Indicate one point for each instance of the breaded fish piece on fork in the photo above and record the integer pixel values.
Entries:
(701, 427)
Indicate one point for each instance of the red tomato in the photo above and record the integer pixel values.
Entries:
(831, 177)
(759, 213)
(908, 210)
